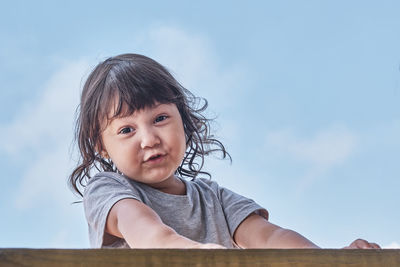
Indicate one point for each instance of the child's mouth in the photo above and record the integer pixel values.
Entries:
(156, 158)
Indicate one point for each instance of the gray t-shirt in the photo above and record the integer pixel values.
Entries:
(207, 213)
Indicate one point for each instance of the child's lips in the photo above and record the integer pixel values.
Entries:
(155, 158)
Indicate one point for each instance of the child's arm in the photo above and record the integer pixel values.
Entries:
(257, 232)
(141, 227)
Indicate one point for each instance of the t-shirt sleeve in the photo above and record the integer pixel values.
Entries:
(101, 193)
(237, 208)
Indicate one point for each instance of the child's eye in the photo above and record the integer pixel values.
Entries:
(126, 130)
(160, 118)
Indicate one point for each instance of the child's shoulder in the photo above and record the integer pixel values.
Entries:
(105, 186)
(106, 179)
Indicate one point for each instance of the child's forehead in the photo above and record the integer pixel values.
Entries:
(123, 109)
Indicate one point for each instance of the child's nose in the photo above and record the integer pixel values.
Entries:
(149, 138)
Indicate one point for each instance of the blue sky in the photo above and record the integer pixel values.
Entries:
(306, 96)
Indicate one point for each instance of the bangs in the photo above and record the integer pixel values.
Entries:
(128, 90)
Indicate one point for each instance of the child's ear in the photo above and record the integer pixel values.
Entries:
(104, 154)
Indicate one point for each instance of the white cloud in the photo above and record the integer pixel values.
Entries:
(393, 245)
(319, 153)
(45, 179)
(40, 137)
(193, 62)
(326, 148)
(47, 120)
(189, 56)
(43, 131)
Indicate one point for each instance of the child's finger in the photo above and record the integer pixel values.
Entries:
(362, 244)
(375, 245)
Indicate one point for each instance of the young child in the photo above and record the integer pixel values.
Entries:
(143, 133)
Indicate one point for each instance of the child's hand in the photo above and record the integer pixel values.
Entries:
(363, 244)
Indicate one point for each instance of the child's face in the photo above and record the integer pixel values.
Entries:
(147, 146)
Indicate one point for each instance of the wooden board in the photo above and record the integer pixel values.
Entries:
(197, 257)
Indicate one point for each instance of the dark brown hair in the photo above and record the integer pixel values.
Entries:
(132, 82)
